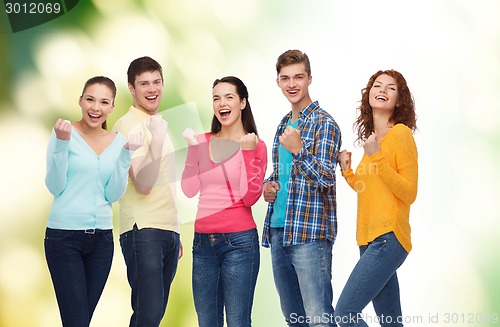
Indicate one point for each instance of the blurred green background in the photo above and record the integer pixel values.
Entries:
(449, 52)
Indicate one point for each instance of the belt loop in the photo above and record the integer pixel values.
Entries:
(90, 231)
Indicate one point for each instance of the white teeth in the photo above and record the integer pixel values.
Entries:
(151, 97)
(224, 111)
(94, 115)
(380, 97)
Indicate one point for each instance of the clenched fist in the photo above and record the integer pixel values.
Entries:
(290, 139)
(190, 136)
(157, 126)
(62, 129)
(344, 160)
(371, 145)
(270, 190)
(135, 141)
(249, 141)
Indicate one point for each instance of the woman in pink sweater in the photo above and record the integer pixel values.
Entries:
(386, 184)
(226, 167)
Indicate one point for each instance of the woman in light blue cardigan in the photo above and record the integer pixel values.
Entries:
(87, 170)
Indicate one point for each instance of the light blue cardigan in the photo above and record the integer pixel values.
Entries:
(84, 184)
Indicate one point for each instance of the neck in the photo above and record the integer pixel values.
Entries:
(233, 132)
(151, 113)
(381, 122)
(86, 129)
(297, 107)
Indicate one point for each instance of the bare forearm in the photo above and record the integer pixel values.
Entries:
(145, 170)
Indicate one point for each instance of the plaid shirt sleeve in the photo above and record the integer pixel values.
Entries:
(311, 203)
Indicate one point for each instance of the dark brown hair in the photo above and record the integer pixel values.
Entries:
(246, 114)
(104, 81)
(141, 65)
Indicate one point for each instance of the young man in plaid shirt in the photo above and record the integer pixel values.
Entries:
(301, 223)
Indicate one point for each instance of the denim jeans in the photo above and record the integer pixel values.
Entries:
(303, 279)
(374, 279)
(225, 268)
(151, 256)
(79, 265)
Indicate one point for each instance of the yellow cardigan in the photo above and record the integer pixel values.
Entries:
(386, 183)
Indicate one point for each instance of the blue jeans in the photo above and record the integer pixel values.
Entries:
(79, 265)
(374, 279)
(151, 256)
(225, 268)
(303, 278)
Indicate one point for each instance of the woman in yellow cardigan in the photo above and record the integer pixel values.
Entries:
(386, 183)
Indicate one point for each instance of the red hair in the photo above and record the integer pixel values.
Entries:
(404, 113)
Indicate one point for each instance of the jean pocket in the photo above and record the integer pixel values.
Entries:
(243, 240)
(57, 234)
(379, 243)
(108, 235)
(196, 242)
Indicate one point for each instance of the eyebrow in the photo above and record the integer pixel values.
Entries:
(146, 81)
(379, 82)
(94, 98)
(225, 95)
(299, 74)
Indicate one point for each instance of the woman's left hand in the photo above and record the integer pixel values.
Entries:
(371, 145)
(249, 141)
(135, 141)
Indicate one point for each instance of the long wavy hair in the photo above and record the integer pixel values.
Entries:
(404, 113)
(246, 114)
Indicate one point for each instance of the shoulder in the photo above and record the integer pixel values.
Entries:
(325, 122)
(121, 122)
(322, 116)
(402, 136)
(402, 131)
(120, 137)
(203, 137)
(261, 145)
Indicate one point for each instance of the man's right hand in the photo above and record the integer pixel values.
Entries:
(270, 190)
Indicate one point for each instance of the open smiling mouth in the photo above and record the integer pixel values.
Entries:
(95, 116)
(224, 113)
(152, 97)
(381, 98)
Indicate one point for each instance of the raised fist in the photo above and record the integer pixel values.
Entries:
(62, 129)
(190, 136)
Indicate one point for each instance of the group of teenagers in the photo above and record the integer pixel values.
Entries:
(89, 168)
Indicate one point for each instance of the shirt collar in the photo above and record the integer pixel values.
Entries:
(309, 109)
(139, 113)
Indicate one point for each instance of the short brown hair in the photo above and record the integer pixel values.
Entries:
(141, 65)
(291, 57)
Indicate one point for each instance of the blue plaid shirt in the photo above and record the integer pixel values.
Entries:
(311, 209)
